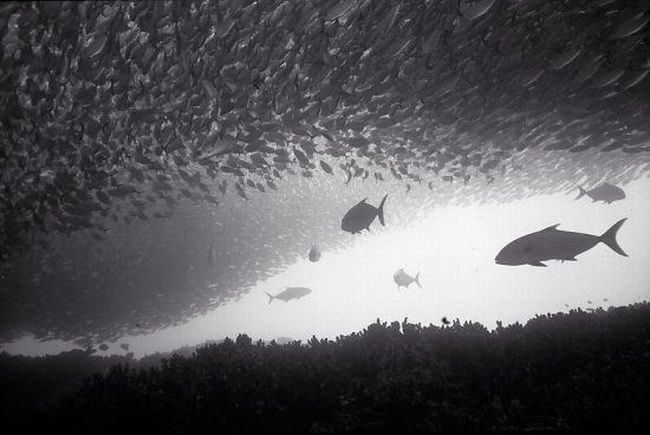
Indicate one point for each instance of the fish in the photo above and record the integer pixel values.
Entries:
(327, 168)
(477, 10)
(240, 191)
(349, 174)
(631, 26)
(347, 80)
(289, 293)
(314, 254)
(553, 244)
(403, 279)
(361, 216)
(605, 192)
(212, 256)
(222, 186)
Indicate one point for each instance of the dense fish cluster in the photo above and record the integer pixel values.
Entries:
(150, 102)
(133, 113)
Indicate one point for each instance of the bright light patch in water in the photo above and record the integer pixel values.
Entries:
(453, 248)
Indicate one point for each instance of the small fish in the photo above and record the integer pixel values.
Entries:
(222, 187)
(240, 191)
(605, 192)
(553, 244)
(211, 199)
(314, 254)
(271, 184)
(349, 177)
(212, 256)
(403, 279)
(477, 10)
(631, 26)
(290, 293)
(327, 168)
(361, 216)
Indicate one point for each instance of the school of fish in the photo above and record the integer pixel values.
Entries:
(119, 114)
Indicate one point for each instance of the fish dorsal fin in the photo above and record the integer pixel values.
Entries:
(363, 201)
(551, 228)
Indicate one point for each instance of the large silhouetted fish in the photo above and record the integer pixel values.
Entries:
(553, 244)
(403, 279)
(361, 216)
(605, 192)
(290, 293)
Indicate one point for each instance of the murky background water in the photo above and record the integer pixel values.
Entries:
(164, 165)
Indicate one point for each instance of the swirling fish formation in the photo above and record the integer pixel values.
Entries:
(121, 111)
(154, 101)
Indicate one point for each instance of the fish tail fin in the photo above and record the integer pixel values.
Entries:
(582, 193)
(609, 237)
(380, 212)
(270, 297)
(417, 280)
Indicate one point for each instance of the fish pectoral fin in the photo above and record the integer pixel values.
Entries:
(537, 263)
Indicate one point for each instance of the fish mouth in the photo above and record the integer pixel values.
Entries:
(508, 263)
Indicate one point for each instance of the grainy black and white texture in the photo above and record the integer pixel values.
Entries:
(164, 162)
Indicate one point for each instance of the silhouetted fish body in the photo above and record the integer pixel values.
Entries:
(361, 216)
(290, 293)
(403, 279)
(605, 192)
(314, 254)
(553, 244)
